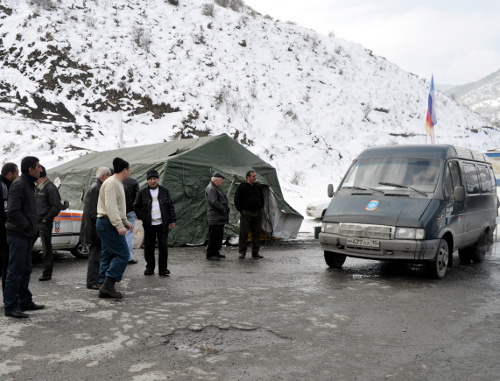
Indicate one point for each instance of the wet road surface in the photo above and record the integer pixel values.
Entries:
(285, 317)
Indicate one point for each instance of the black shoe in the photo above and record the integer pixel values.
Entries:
(221, 255)
(213, 258)
(242, 255)
(108, 290)
(93, 286)
(257, 256)
(133, 261)
(45, 277)
(33, 307)
(165, 272)
(17, 314)
(149, 272)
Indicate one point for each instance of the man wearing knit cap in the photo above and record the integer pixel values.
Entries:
(155, 207)
(112, 225)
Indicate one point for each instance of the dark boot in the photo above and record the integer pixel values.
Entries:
(108, 290)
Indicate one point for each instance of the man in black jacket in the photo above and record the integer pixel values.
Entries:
(88, 232)
(131, 188)
(217, 215)
(48, 203)
(249, 200)
(154, 206)
(10, 172)
(22, 228)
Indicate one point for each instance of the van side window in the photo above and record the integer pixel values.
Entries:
(452, 179)
(487, 184)
(471, 178)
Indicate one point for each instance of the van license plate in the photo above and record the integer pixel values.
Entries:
(363, 242)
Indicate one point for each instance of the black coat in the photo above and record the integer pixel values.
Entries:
(217, 205)
(88, 232)
(249, 197)
(21, 210)
(143, 205)
(48, 201)
(131, 188)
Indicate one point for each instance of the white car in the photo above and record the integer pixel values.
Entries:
(66, 234)
(317, 209)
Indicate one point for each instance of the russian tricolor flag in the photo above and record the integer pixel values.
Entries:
(431, 120)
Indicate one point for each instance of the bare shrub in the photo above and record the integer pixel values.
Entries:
(208, 9)
(331, 33)
(367, 108)
(291, 114)
(44, 4)
(52, 144)
(297, 177)
(173, 2)
(222, 3)
(243, 21)
(268, 17)
(236, 5)
(141, 38)
(221, 97)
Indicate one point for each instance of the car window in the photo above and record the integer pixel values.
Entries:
(471, 179)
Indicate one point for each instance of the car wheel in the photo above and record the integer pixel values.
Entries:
(439, 265)
(80, 251)
(334, 260)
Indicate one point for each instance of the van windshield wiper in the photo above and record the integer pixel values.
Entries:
(367, 188)
(403, 186)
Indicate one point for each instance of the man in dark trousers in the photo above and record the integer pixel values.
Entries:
(49, 205)
(22, 228)
(249, 200)
(217, 215)
(88, 232)
(154, 206)
(131, 188)
(10, 172)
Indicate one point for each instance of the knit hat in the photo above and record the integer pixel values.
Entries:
(152, 173)
(217, 174)
(119, 164)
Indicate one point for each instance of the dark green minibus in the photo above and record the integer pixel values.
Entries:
(415, 203)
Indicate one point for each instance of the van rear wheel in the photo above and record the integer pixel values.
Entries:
(438, 267)
(334, 260)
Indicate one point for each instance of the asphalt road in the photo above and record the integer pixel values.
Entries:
(285, 317)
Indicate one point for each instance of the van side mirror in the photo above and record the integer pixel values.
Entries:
(459, 193)
(330, 190)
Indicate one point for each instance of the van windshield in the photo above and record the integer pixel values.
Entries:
(420, 175)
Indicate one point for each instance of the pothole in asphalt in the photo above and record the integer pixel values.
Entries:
(214, 340)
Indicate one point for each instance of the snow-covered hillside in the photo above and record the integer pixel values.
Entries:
(482, 96)
(78, 75)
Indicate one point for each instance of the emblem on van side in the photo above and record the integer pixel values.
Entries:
(57, 226)
(372, 205)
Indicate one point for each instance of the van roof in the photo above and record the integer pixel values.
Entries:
(431, 151)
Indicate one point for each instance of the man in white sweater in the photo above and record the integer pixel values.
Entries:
(112, 225)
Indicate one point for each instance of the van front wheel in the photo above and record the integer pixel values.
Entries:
(334, 260)
(439, 265)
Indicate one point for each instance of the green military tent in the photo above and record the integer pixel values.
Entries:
(185, 168)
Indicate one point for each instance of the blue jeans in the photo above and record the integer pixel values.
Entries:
(17, 294)
(130, 235)
(114, 256)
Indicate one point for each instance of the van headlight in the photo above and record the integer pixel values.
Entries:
(409, 233)
(331, 227)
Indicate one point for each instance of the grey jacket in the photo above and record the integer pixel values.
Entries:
(48, 201)
(217, 205)
(88, 232)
